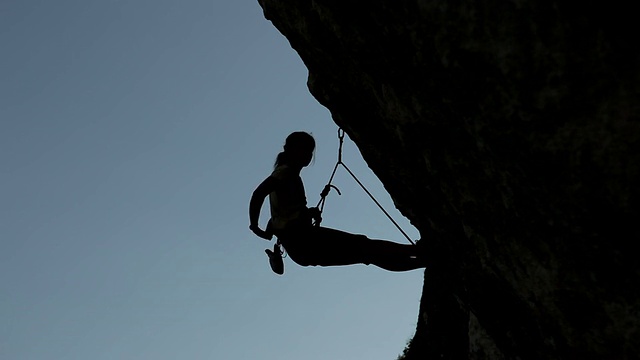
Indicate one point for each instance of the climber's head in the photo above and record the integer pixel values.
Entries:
(298, 150)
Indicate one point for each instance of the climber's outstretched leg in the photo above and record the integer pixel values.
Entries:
(320, 246)
(393, 256)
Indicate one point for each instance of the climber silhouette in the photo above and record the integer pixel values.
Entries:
(292, 222)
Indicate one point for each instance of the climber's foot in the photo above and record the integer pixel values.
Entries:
(275, 259)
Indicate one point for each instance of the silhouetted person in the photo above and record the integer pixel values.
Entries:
(291, 220)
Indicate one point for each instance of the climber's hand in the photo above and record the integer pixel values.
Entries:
(261, 233)
(315, 214)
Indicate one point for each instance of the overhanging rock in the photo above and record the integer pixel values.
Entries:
(508, 133)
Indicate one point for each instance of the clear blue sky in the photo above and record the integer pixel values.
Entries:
(132, 135)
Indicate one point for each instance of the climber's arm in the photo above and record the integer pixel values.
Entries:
(257, 199)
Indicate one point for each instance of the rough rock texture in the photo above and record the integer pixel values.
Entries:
(508, 133)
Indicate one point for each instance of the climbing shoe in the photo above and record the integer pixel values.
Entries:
(275, 259)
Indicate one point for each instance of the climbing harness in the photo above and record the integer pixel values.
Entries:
(327, 188)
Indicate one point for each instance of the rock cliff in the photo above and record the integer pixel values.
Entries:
(508, 133)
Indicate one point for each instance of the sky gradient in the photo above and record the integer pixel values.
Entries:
(132, 134)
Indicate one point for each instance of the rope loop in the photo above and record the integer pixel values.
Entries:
(327, 188)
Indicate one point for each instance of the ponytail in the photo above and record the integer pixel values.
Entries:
(280, 159)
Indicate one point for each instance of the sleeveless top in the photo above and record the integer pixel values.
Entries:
(288, 202)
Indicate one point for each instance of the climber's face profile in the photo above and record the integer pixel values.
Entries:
(300, 158)
(303, 157)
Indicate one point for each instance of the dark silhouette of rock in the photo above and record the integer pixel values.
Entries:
(508, 133)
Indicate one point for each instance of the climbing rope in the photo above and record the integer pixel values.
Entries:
(329, 186)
